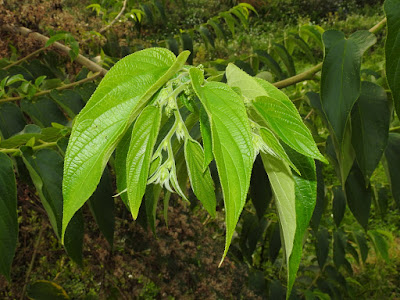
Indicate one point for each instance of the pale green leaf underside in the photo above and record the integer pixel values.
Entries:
(144, 136)
(283, 188)
(277, 111)
(231, 142)
(200, 180)
(121, 95)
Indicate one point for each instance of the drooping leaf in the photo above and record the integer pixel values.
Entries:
(69, 100)
(260, 189)
(321, 201)
(270, 62)
(283, 187)
(43, 111)
(252, 231)
(306, 196)
(200, 180)
(218, 29)
(46, 170)
(151, 198)
(362, 244)
(300, 43)
(340, 82)
(232, 144)
(276, 110)
(393, 165)
(46, 290)
(392, 45)
(102, 123)
(173, 46)
(230, 21)
(359, 196)
(339, 204)
(206, 36)
(102, 206)
(339, 246)
(187, 44)
(11, 119)
(380, 244)
(138, 159)
(286, 58)
(8, 215)
(312, 31)
(370, 126)
(322, 246)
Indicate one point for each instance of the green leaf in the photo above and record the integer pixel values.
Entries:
(206, 36)
(218, 30)
(270, 62)
(277, 111)
(283, 187)
(11, 119)
(392, 45)
(338, 205)
(322, 246)
(260, 188)
(275, 148)
(102, 206)
(306, 196)
(69, 100)
(232, 144)
(392, 164)
(370, 127)
(362, 244)
(339, 246)
(359, 196)
(230, 21)
(200, 180)
(173, 46)
(119, 98)
(152, 196)
(299, 42)
(380, 244)
(139, 156)
(205, 130)
(340, 82)
(45, 168)
(43, 111)
(8, 215)
(46, 290)
(321, 201)
(187, 44)
(286, 58)
(312, 31)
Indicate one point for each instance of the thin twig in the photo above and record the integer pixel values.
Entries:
(92, 66)
(311, 72)
(309, 114)
(16, 150)
(34, 53)
(35, 250)
(60, 88)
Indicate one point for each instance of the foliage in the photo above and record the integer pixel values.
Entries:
(226, 129)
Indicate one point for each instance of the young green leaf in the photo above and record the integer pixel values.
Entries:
(392, 53)
(232, 144)
(277, 111)
(8, 213)
(306, 195)
(283, 187)
(119, 98)
(200, 180)
(144, 136)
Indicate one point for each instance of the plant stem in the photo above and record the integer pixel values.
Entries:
(310, 73)
(34, 53)
(394, 128)
(35, 249)
(92, 66)
(16, 150)
(67, 86)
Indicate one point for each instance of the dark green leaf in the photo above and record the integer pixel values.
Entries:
(340, 82)
(70, 101)
(393, 164)
(321, 202)
(296, 39)
(322, 246)
(358, 194)
(173, 45)
(46, 290)
(187, 44)
(11, 119)
(260, 189)
(339, 204)
(392, 45)
(380, 243)
(43, 111)
(102, 206)
(8, 215)
(370, 126)
(152, 196)
(339, 246)
(286, 58)
(270, 62)
(275, 242)
(206, 36)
